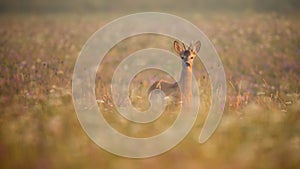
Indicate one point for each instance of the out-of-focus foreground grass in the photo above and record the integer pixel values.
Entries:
(260, 126)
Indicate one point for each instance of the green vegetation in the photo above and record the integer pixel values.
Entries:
(260, 126)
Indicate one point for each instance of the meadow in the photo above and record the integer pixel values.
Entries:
(260, 127)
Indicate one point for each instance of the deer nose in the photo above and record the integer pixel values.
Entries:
(187, 64)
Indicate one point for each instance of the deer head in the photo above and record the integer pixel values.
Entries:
(187, 53)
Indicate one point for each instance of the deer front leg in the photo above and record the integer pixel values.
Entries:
(155, 85)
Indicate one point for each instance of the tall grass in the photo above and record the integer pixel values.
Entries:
(260, 126)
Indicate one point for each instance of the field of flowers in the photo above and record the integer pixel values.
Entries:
(260, 126)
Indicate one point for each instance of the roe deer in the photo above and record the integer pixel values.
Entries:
(187, 55)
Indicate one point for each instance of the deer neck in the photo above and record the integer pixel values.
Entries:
(186, 81)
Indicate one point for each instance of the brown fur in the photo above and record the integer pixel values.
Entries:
(172, 89)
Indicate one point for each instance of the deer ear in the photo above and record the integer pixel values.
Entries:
(179, 47)
(197, 46)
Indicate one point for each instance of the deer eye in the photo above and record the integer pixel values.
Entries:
(192, 57)
(181, 57)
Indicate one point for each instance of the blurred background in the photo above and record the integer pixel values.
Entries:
(137, 5)
(258, 42)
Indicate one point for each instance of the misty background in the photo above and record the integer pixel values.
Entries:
(46, 6)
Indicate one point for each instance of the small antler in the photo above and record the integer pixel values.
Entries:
(190, 46)
(183, 45)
